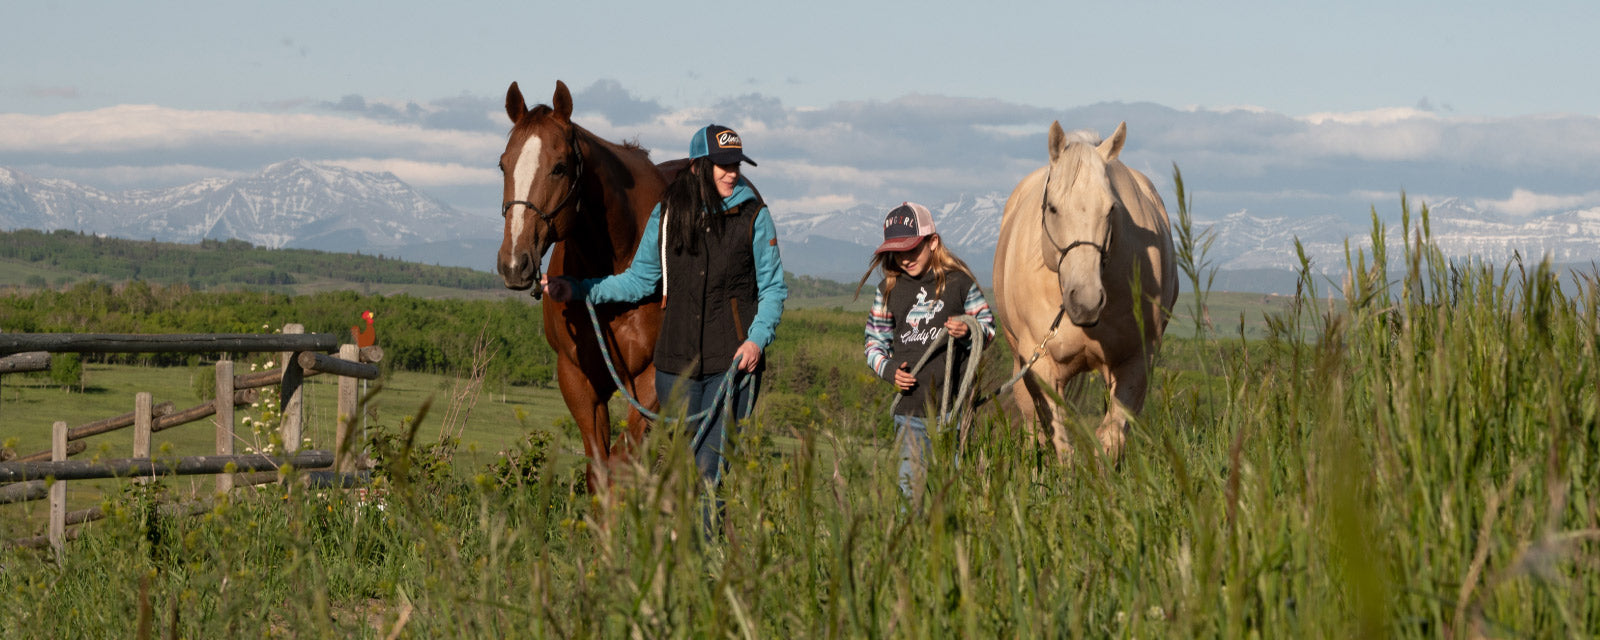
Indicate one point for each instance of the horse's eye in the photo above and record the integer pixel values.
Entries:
(502, 166)
(560, 169)
(1052, 207)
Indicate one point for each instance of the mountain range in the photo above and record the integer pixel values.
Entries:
(299, 204)
(290, 204)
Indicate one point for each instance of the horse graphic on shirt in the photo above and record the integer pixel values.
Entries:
(922, 311)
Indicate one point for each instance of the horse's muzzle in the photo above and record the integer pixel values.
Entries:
(1083, 314)
(523, 276)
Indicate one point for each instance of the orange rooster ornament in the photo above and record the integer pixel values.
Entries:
(365, 338)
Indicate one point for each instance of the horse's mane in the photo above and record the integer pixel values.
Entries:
(632, 144)
(1076, 168)
(1086, 136)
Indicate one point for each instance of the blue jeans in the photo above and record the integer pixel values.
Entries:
(699, 393)
(711, 456)
(916, 449)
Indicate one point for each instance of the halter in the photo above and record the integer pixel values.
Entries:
(572, 186)
(549, 216)
(1044, 210)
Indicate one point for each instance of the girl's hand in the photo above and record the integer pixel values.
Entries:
(559, 289)
(903, 377)
(749, 356)
(956, 327)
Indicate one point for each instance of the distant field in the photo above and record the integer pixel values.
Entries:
(26, 275)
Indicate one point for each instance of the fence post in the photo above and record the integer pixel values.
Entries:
(58, 492)
(224, 420)
(344, 461)
(143, 420)
(292, 394)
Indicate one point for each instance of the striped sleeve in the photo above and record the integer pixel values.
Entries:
(880, 336)
(978, 307)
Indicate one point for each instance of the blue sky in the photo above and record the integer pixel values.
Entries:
(1274, 107)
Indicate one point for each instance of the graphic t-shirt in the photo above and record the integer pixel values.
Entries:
(902, 324)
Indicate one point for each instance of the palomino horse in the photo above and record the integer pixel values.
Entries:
(1087, 239)
(589, 199)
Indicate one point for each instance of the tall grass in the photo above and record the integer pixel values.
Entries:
(1419, 460)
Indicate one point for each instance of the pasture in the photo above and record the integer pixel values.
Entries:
(1420, 460)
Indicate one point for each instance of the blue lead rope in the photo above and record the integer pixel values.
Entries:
(725, 389)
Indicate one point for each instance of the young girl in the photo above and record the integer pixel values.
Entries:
(924, 287)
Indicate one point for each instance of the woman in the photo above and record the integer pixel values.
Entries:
(712, 248)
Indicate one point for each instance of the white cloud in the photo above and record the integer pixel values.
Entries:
(1388, 115)
(919, 147)
(132, 176)
(128, 128)
(834, 176)
(1379, 141)
(423, 174)
(1523, 202)
(1226, 108)
(814, 204)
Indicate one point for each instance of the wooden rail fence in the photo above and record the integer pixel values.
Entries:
(44, 474)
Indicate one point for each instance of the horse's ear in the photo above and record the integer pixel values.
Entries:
(1111, 147)
(1058, 140)
(562, 101)
(515, 106)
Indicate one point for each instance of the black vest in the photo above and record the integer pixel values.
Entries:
(710, 297)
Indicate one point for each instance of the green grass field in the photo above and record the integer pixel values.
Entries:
(1421, 461)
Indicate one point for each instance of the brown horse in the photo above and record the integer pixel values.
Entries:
(588, 198)
(1085, 239)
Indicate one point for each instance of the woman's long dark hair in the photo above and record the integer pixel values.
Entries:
(691, 203)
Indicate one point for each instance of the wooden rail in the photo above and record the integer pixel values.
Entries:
(166, 342)
(25, 362)
(301, 355)
(138, 467)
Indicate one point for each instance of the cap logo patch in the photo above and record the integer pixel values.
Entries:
(728, 140)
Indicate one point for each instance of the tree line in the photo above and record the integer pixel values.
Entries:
(416, 334)
(212, 263)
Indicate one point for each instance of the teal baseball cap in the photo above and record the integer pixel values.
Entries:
(720, 143)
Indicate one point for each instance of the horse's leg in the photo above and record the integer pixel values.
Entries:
(1050, 413)
(1128, 382)
(644, 390)
(1029, 399)
(592, 416)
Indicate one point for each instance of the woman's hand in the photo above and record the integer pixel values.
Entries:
(749, 356)
(559, 289)
(956, 327)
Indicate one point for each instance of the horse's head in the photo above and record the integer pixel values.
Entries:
(542, 166)
(1078, 208)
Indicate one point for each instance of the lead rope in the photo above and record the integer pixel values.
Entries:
(725, 389)
(965, 410)
(943, 341)
(1037, 351)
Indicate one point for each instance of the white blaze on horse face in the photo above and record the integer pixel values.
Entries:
(521, 181)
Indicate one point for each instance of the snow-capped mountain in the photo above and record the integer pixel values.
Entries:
(48, 203)
(305, 205)
(1242, 242)
(289, 204)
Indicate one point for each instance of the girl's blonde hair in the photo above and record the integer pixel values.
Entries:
(943, 260)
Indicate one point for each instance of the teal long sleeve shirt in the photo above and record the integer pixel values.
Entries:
(644, 276)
